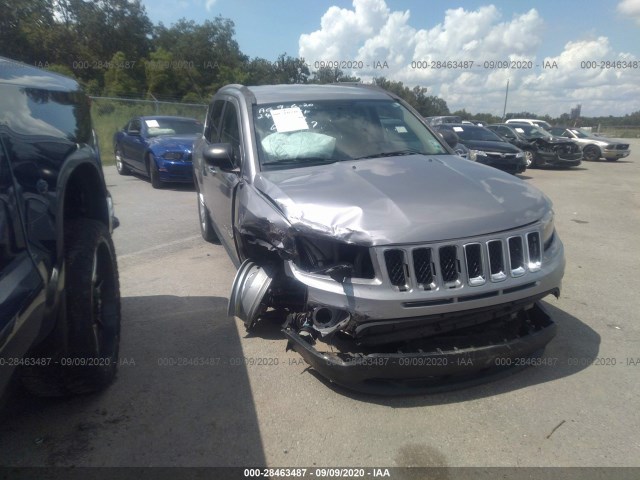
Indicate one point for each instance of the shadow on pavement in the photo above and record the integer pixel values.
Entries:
(182, 398)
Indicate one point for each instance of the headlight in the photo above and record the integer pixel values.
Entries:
(474, 154)
(548, 229)
(519, 154)
(172, 155)
(610, 147)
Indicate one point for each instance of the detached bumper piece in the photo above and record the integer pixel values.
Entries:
(456, 360)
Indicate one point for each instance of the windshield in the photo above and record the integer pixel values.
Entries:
(300, 134)
(542, 124)
(476, 133)
(172, 126)
(530, 131)
(580, 133)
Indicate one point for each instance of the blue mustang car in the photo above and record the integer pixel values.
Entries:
(157, 146)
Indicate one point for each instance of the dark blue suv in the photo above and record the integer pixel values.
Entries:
(59, 290)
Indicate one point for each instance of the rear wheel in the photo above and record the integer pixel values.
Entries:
(154, 175)
(84, 358)
(591, 153)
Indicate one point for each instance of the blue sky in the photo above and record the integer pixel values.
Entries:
(399, 32)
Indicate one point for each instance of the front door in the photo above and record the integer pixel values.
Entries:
(220, 185)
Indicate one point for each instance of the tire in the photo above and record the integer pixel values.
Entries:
(154, 175)
(206, 229)
(85, 357)
(528, 156)
(120, 165)
(591, 153)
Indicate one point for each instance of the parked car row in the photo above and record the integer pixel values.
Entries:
(541, 144)
(542, 148)
(160, 147)
(594, 147)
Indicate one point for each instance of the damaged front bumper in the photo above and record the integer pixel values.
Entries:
(438, 363)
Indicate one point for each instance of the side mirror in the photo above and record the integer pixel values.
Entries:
(219, 155)
(450, 137)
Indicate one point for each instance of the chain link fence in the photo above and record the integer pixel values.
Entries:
(110, 114)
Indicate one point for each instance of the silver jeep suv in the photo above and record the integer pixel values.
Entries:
(391, 261)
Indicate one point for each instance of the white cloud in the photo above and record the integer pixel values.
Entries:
(631, 8)
(209, 5)
(371, 32)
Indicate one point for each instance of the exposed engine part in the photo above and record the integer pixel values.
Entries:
(328, 320)
(303, 324)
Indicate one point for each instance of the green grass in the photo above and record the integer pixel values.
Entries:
(109, 116)
(620, 132)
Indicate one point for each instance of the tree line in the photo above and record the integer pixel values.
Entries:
(113, 49)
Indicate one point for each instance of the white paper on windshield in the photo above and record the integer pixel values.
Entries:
(289, 119)
(458, 129)
(401, 129)
(519, 130)
(152, 123)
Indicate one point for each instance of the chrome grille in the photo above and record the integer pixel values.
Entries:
(449, 263)
(394, 260)
(516, 256)
(496, 261)
(455, 264)
(535, 253)
(500, 155)
(475, 270)
(422, 265)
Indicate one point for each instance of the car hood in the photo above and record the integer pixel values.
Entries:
(405, 199)
(173, 142)
(502, 147)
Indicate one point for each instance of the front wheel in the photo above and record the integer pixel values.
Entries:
(84, 358)
(154, 175)
(205, 220)
(528, 157)
(591, 153)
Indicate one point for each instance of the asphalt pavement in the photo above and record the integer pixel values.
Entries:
(193, 389)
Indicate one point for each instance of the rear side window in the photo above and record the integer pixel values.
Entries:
(31, 111)
(43, 128)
